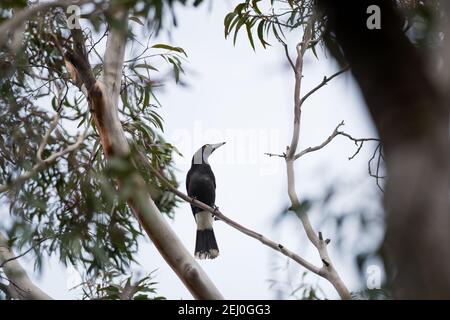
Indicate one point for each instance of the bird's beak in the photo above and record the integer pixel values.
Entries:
(217, 145)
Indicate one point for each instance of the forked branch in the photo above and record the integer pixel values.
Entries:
(327, 271)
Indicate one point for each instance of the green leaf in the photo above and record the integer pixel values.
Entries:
(233, 24)
(146, 97)
(227, 22)
(240, 7)
(238, 26)
(313, 48)
(167, 47)
(274, 29)
(146, 66)
(137, 20)
(176, 69)
(255, 6)
(260, 31)
(249, 34)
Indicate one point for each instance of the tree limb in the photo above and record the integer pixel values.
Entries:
(22, 287)
(324, 82)
(358, 142)
(329, 272)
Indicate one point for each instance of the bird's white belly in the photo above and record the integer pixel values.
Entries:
(204, 220)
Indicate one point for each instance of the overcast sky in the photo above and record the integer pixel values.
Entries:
(245, 98)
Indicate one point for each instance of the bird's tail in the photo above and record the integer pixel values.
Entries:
(205, 243)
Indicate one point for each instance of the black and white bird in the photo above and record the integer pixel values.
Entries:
(201, 185)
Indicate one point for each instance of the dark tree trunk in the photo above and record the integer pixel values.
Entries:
(413, 123)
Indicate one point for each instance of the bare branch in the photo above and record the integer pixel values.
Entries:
(328, 270)
(323, 83)
(323, 144)
(358, 141)
(380, 157)
(286, 51)
(275, 155)
(298, 70)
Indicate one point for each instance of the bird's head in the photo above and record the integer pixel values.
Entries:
(202, 154)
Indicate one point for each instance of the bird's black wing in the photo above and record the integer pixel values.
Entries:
(201, 184)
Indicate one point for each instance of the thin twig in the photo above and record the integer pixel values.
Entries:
(275, 155)
(25, 252)
(286, 50)
(323, 83)
(323, 144)
(376, 175)
(358, 141)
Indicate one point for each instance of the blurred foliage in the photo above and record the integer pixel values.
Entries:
(262, 19)
(355, 230)
(110, 287)
(299, 288)
(158, 14)
(421, 22)
(73, 209)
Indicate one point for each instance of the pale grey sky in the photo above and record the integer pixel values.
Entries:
(245, 98)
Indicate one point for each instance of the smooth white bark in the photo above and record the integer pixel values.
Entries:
(115, 144)
(20, 285)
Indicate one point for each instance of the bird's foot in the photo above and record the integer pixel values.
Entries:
(216, 209)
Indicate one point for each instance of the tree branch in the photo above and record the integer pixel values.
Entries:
(324, 82)
(329, 272)
(24, 253)
(358, 142)
(323, 144)
(22, 287)
(286, 51)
